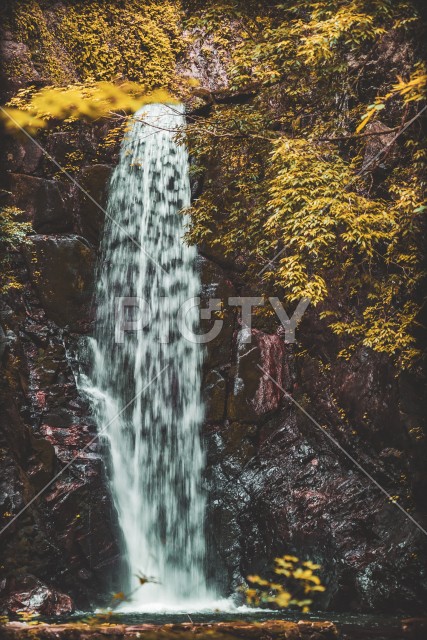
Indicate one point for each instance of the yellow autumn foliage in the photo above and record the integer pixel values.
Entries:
(297, 208)
(306, 206)
(13, 234)
(299, 580)
(412, 90)
(33, 110)
(84, 41)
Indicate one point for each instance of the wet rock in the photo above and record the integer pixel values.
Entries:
(278, 484)
(61, 270)
(42, 462)
(32, 595)
(258, 375)
(44, 202)
(246, 379)
(216, 285)
(215, 393)
(67, 539)
(94, 180)
(3, 342)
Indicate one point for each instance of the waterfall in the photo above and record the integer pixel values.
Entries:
(151, 376)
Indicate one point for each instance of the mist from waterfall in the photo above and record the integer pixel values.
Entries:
(152, 376)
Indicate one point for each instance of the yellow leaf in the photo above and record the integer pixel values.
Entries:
(365, 121)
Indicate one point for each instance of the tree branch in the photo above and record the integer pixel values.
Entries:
(358, 135)
(223, 96)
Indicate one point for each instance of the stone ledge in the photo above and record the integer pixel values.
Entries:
(216, 631)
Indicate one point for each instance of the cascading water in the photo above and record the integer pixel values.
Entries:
(156, 455)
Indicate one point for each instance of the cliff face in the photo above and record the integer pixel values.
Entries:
(276, 483)
(45, 424)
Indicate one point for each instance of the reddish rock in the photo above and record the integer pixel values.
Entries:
(269, 395)
(279, 485)
(67, 539)
(34, 596)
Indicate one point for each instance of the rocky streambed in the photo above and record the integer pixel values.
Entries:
(219, 630)
(263, 627)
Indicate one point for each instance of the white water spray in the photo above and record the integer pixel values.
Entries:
(156, 455)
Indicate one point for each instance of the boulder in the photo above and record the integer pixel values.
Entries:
(31, 594)
(22, 155)
(44, 202)
(253, 392)
(61, 270)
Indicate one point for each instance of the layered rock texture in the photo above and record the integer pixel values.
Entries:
(276, 483)
(51, 548)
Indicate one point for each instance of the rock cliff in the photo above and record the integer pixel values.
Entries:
(275, 482)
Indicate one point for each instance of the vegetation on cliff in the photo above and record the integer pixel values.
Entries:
(305, 186)
(77, 40)
(13, 234)
(301, 175)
